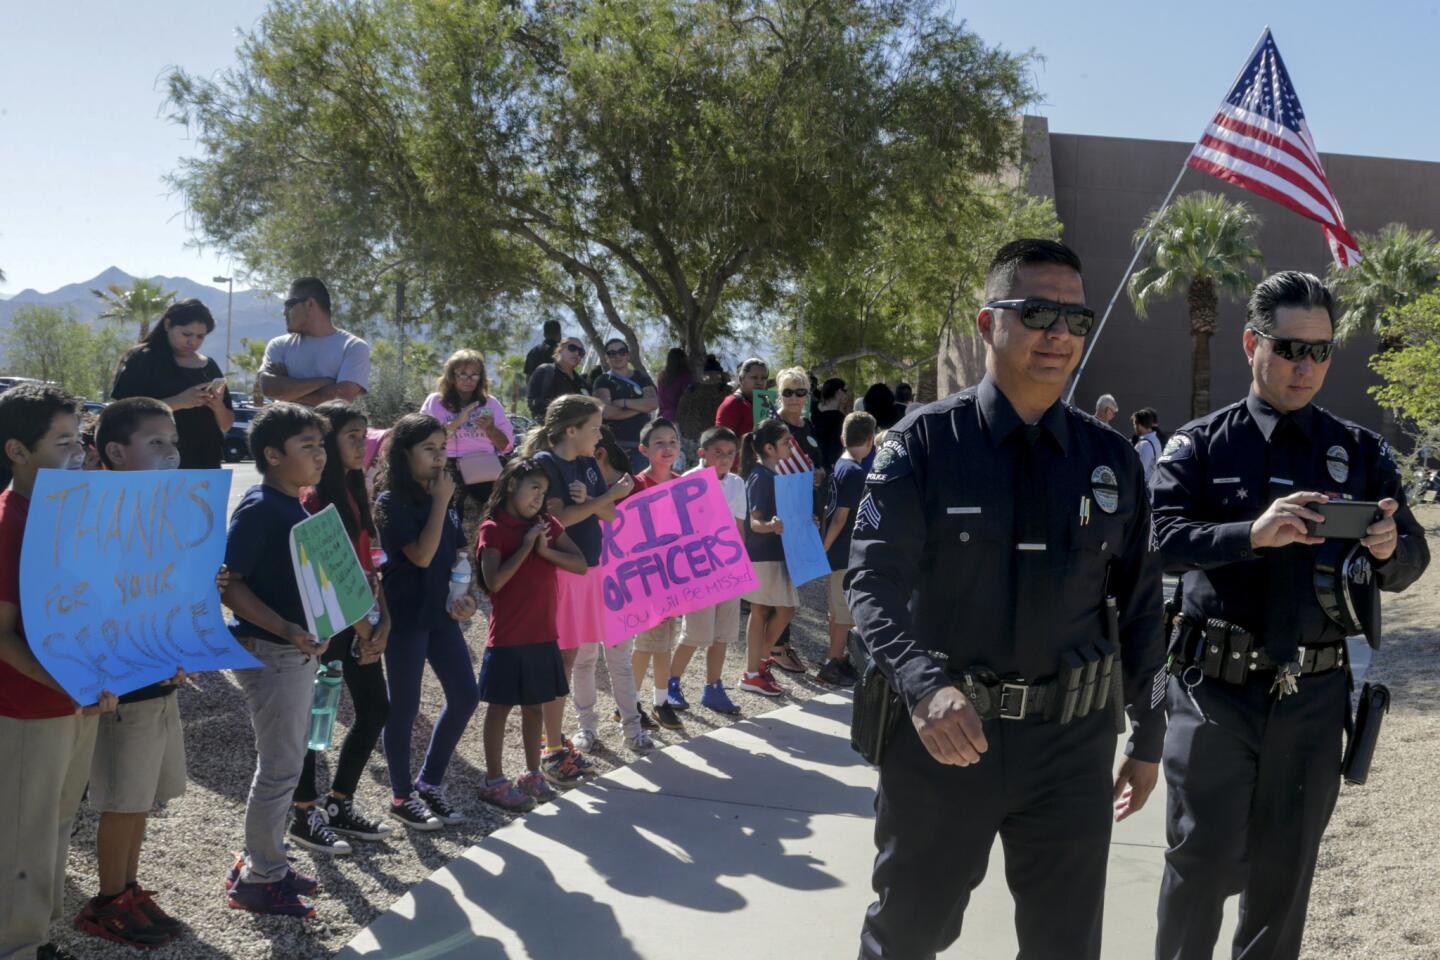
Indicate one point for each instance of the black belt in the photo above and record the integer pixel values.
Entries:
(995, 698)
(1231, 653)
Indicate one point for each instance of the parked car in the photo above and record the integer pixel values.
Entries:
(237, 438)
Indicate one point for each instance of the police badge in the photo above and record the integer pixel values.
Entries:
(1337, 463)
(1105, 488)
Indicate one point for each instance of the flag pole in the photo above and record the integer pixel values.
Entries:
(1140, 248)
(1094, 338)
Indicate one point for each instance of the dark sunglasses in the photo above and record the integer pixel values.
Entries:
(574, 349)
(1297, 350)
(787, 392)
(618, 352)
(1040, 314)
(294, 302)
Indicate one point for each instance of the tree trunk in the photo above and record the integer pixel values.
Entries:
(1203, 302)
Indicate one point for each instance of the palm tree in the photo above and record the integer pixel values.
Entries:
(1397, 264)
(1204, 245)
(143, 303)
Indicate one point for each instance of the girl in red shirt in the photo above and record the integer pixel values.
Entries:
(518, 547)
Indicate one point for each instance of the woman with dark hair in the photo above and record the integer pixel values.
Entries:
(674, 380)
(168, 366)
(879, 402)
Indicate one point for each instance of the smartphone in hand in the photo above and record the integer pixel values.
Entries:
(1344, 519)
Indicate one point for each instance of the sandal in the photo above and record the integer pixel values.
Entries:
(786, 660)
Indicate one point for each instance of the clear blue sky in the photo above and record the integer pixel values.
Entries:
(84, 144)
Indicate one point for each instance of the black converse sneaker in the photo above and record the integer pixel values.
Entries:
(349, 822)
(310, 828)
(435, 800)
(415, 814)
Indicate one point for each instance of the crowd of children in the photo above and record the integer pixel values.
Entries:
(537, 555)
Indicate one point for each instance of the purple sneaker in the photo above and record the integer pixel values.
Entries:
(506, 796)
(534, 785)
(275, 899)
(297, 883)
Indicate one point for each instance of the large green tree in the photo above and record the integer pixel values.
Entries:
(637, 158)
(52, 344)
(1411, 367)
(1397, 264)
(139, 305)
(1203, 246)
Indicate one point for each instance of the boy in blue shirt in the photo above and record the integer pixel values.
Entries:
(847, 486)
(288, 443)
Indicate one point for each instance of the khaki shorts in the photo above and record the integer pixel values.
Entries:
(717, 624)
(139, 757)
(774, 588)
(659, 638)
(839, 607)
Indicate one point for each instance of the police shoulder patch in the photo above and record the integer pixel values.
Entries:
(1180, 447)
(892, 461)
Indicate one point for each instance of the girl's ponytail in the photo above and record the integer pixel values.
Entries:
(768, 432)
(747, 454)
(535, 441)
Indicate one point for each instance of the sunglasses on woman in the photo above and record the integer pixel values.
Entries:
(618, 352)
(1296, 350)
(572, 348)
(787, 392)
(1038, 313)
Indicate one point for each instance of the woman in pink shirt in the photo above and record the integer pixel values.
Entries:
(476, 428)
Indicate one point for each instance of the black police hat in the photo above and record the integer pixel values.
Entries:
(1346, 589)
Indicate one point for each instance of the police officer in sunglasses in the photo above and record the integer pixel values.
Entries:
(995, 525)
(1258, 692)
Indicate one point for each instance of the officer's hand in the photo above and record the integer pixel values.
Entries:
(1382, 536)
(949, 727)
(1133, 785)
(1284, 523)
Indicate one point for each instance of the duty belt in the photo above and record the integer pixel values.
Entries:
(995, 698)
(1226, 651)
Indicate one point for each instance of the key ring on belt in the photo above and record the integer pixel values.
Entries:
(1190, 685)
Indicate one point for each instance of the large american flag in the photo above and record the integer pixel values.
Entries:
(1259, 140)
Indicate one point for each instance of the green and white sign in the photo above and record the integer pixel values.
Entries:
(333, 585)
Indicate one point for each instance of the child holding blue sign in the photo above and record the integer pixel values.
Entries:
(139, 750)
(773, 602)
(520, 547)
(287, 441)
(423, 541)
(46, 741)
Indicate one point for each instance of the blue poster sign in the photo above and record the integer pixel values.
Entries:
(804, 551)
(117, 577)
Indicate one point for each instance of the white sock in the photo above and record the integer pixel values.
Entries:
(662, 696)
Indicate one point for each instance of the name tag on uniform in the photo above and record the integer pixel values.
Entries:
(964, 511)
(1226, 480)
(1030, 546)
(1282, 481)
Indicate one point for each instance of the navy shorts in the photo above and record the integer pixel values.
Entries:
(523, 676)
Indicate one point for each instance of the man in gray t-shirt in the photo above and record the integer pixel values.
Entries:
(313, 361)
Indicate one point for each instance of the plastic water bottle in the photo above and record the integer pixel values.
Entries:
(378, 559)
(459, 577)
(322, 708)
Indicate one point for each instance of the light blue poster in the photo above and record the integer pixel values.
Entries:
(804, 551)
(117, 577)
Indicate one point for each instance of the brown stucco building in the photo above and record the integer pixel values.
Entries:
(1104, 186)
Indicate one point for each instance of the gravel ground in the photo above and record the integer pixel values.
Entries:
(1375, 887)
(190, 843)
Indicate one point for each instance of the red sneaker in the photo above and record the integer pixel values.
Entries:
(120, 922)
(761, 683)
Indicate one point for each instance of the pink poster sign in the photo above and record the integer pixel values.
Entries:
(670, 550)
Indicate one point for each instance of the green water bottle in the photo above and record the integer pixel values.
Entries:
(322, 708)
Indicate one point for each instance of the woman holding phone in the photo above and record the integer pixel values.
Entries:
(167, 365)
(477, 431)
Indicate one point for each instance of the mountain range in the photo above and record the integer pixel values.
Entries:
(257, 314)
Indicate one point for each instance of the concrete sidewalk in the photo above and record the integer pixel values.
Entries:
(754, 841)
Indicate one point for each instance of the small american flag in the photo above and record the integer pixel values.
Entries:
(1259, 140)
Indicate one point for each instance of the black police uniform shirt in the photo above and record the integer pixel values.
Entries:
(1219, 473)
(935, 559)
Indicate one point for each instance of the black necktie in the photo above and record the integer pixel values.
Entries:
(1031, 531)
(1284, 566)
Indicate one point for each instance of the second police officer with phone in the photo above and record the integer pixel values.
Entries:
(1002, 569)
(1259, 691)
